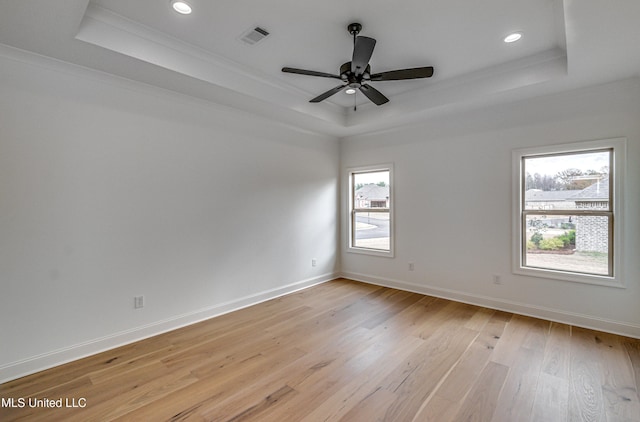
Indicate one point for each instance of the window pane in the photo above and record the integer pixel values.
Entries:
(576, 243)
(567, 181)
(371, 189)
(372, 230)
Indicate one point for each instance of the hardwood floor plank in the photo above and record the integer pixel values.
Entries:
(216, 387)
(480, 404)
(205, 350)
(393, 309)
(474, 360)
(415, 378)
(448, 398)
(349, 351)
(633, 352)
(518, 393)
(358, 388)
(515, 334)
(422, 314)
(315, 374)
(537, 334)
(479, 319)
(150, 392)
(556, 352)
(372, 408)
(585, 393)
(256, 410)
(318, 374)
(621, 402)
(445, 314)
(438, 409)
(552, 393)
(551, 399)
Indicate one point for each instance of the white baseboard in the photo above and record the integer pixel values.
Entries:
(556, 315)
(48, 360)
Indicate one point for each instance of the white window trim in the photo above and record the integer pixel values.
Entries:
(619, 146)
(366, 251)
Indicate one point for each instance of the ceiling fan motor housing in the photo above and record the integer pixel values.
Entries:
(348, 76)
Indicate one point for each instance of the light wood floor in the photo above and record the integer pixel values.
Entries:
(353, 352)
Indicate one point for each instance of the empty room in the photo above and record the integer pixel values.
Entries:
(320, 211)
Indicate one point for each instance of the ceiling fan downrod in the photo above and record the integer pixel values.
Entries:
(354, 29)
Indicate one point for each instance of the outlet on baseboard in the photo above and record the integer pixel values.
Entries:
(411, 266)
(138, 302)
(314, 262)
(497, 279)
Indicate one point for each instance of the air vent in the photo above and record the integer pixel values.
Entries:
(254, 35)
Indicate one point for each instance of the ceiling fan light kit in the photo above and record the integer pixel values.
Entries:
(356, 73)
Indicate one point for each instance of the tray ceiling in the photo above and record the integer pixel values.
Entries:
(565, 45)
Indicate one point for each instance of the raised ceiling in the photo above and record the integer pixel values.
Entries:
(566, 44)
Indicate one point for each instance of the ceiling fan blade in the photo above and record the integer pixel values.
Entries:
(327, 94)
(362, 52)
(373, 94)
(398, 75)
(309, 72)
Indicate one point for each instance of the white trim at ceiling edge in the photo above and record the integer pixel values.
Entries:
(550, 314)
(111, 31)
(31, 58)
(31, 365)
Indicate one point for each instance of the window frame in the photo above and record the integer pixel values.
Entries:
(352, 210)
(617, 146)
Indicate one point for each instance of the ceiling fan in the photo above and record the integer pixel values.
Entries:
(356, 73)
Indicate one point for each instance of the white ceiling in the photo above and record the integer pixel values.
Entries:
(566, 44)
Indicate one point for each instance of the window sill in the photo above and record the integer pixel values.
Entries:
(372, 252)
(572, 277)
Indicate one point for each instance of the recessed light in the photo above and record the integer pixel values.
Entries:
(350, 91)
(513, 37)
(181, 7)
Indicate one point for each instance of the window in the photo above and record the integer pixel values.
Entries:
(370, 210)
(567, 221)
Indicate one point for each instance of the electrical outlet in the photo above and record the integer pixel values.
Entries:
(411, 266)
(138, 302)
(497, 279)
(314, 262)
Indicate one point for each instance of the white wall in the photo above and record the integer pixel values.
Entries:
(453, 204)
(111, 189)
